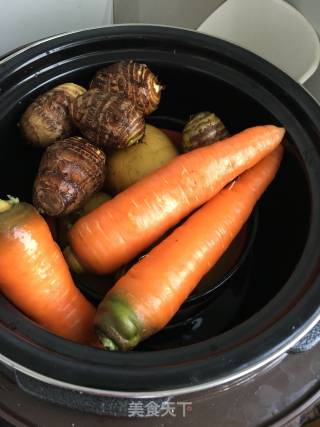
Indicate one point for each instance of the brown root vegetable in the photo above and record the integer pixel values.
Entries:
(70, 172)
(127, 166)
(133, 80)
(203, 129)
(47, 119)
(108, 121)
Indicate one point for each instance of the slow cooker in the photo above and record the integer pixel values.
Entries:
(232, 362)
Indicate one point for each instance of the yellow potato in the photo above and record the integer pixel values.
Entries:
(129, 165)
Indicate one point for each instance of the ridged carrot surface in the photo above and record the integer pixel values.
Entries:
(153, 289)
(121, 228)
(36, 278)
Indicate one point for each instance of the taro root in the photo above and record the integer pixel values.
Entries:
(70, 172)
(133, 80)
(203, 129)
(47, 119)
(108, 121)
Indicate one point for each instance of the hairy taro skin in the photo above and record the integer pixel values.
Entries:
(134, 80)
(107, 121)
(47, 119)
(203, 129)
(70, 172)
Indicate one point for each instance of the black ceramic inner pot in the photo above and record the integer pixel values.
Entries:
(280, 297)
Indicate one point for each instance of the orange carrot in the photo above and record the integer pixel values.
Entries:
(145, 299)
(121, 228)
(36, 278)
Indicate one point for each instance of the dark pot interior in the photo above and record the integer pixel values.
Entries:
(276, 295)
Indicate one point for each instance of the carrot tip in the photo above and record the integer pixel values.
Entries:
(282, 131)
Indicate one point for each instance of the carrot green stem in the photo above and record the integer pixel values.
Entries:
(117, 325)
(6, 205)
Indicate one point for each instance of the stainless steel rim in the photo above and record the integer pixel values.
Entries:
(161, 393)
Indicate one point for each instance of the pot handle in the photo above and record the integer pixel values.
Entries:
(308, 341)
(257, 25)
